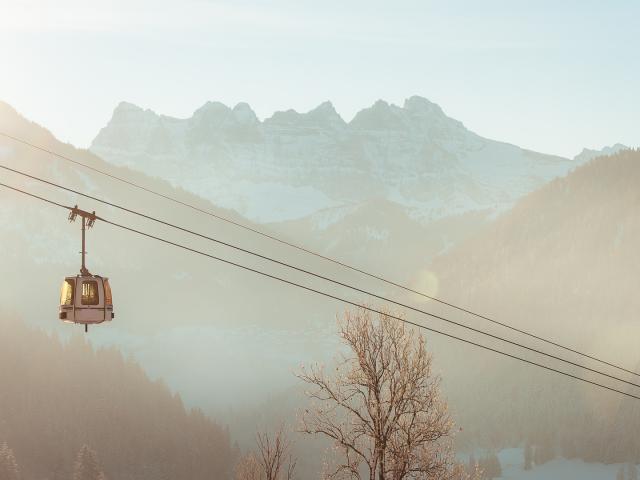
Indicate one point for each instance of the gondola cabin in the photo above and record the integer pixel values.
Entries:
(86, 299)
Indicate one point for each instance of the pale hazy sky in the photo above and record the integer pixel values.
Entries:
(553, 76)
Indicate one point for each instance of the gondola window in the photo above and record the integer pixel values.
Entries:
(90, 293)
(66, 295)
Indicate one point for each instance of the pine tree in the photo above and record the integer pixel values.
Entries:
(86, 466)
(8, 466)
(528, 456)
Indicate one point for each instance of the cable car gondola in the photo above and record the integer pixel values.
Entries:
(85, 298)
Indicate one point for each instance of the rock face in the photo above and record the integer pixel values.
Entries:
(294, 165)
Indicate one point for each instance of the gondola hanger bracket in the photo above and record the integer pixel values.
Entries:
(89, 217)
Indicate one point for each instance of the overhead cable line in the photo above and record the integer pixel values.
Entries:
(324, 257)
(337, 298)
(15, 189)
(319, 276)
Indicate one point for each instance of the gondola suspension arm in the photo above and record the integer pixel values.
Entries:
(88, 220)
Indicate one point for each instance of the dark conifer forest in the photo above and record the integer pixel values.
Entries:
(59, 395)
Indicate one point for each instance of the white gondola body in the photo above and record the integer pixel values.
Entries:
(86, 299)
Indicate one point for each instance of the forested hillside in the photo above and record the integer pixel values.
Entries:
(536, 264)
(535, 268)
(57, 396)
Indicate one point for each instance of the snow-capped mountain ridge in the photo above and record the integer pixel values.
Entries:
(294, 164)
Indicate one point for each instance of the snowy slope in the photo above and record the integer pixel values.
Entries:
(295, 164)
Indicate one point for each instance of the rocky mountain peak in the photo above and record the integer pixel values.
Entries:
(244, 114)
(325, 108)
(380, 116)
(126, 110)
(323, 116)
(418, 103)
(128, 118)
(417, 114)
(211, 111)
(284, 117)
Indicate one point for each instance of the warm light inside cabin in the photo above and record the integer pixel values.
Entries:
(66, 293)
(107, 293)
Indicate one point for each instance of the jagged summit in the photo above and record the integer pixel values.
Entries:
(244, 114)
(326, 108)
(323, 116)
(429, 114)
(323, 113)
(211, 111)
(416, 115)
(125, 106)
(380, 116)
(284, 117)
(417, 102)
(125, 110)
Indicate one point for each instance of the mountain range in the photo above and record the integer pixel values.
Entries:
(317, 166)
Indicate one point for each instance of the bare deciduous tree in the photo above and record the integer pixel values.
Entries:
(273, 461)
(381, 407)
